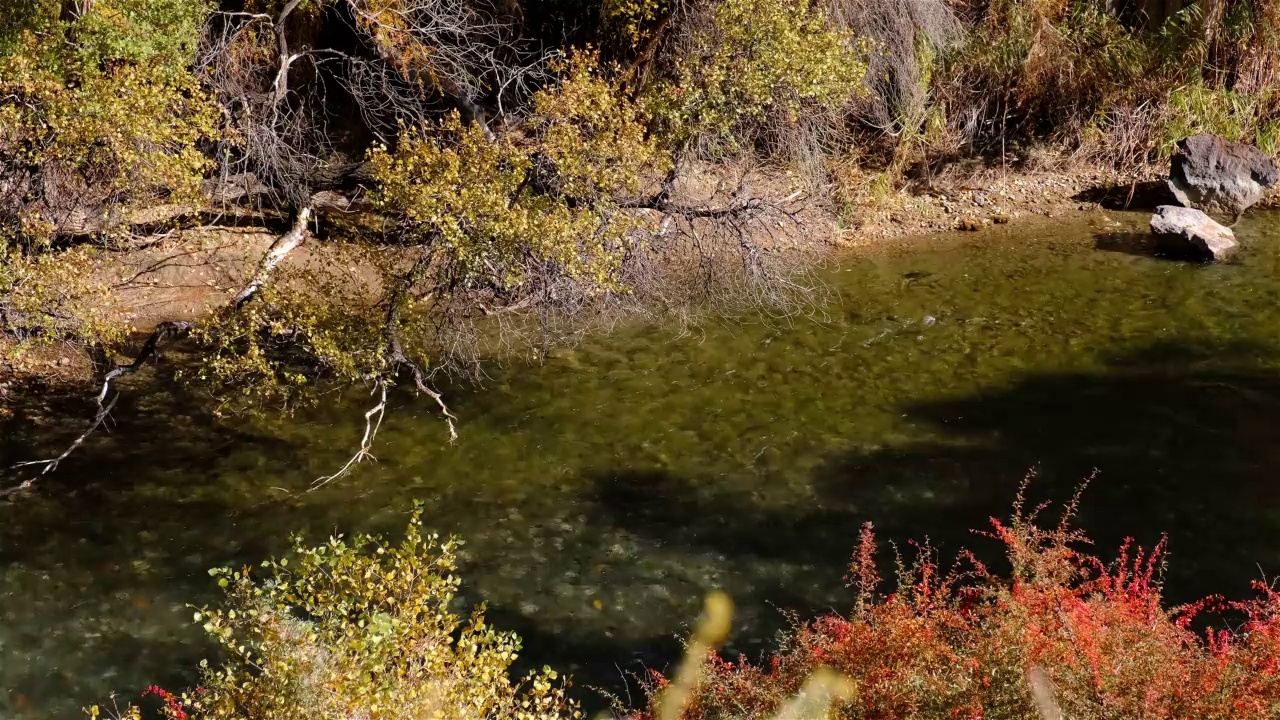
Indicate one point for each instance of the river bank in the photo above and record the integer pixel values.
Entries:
(190, 275)
(193, 271)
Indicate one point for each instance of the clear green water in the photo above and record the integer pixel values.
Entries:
(603, 492)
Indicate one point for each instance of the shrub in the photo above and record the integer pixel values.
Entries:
(475, 218)
(907, 37)
(1065, 632)
(105, 117)
(1124, 83)
(358, 628)
(494, 206)
(1041, 69)
(51, 298)
(1196, 108)
(743, 60)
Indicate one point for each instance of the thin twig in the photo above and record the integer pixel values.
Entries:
(163, 331)
(52, 464)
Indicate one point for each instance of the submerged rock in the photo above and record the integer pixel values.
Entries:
(1186, 230)
(1217, 176)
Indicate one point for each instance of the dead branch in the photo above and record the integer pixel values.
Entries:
(231, 188)
(372, 423)
(279, 250)
(89, 220)
(165, 331)
(51, 464)
(282, 142)
(397, 361)
(737, 209)
(449, 48)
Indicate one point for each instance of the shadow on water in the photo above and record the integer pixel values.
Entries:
(1142, 196)
(108, 550)
(1183, 438)
(1141, 244)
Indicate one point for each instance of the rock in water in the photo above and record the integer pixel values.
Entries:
(1224, 178)
(1192, 231)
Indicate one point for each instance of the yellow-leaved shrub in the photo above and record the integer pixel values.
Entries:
(100, 117)
(359, 628)
(313, 320)
(596, 137)
(750, 58)
(47, 299)
(106, 119)
(547, 198)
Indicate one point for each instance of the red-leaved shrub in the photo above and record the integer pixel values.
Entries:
(1064, 635)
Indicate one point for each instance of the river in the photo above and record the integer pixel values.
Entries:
(602, 492)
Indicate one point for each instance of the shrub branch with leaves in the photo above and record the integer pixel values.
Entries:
(359, 628)
(1065, 635)
(742, 59)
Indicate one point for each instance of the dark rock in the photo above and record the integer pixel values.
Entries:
(1220, 177)
(1186, 230)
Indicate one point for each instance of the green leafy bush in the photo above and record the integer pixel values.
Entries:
(1196, 109)
(1081, 73)
(358, 628)
(748, 58)
(1041, 68)
(99, 112)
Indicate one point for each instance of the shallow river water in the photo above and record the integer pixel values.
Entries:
(603, 492)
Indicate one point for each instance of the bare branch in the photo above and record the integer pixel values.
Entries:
(48, 466)
(424, 47)
(281, 132)
(397, 361)
(164, 331)
(419, 382)
(279, 250)
(738, 208)
(372, 422)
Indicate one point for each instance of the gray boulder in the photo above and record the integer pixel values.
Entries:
(1220, 177)
(1189, 231)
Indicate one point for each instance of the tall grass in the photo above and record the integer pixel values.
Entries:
(1113, 83)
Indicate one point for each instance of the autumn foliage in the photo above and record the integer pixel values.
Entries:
(1064, 635)
(355, 628)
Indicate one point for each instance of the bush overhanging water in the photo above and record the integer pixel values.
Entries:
(358, 628)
